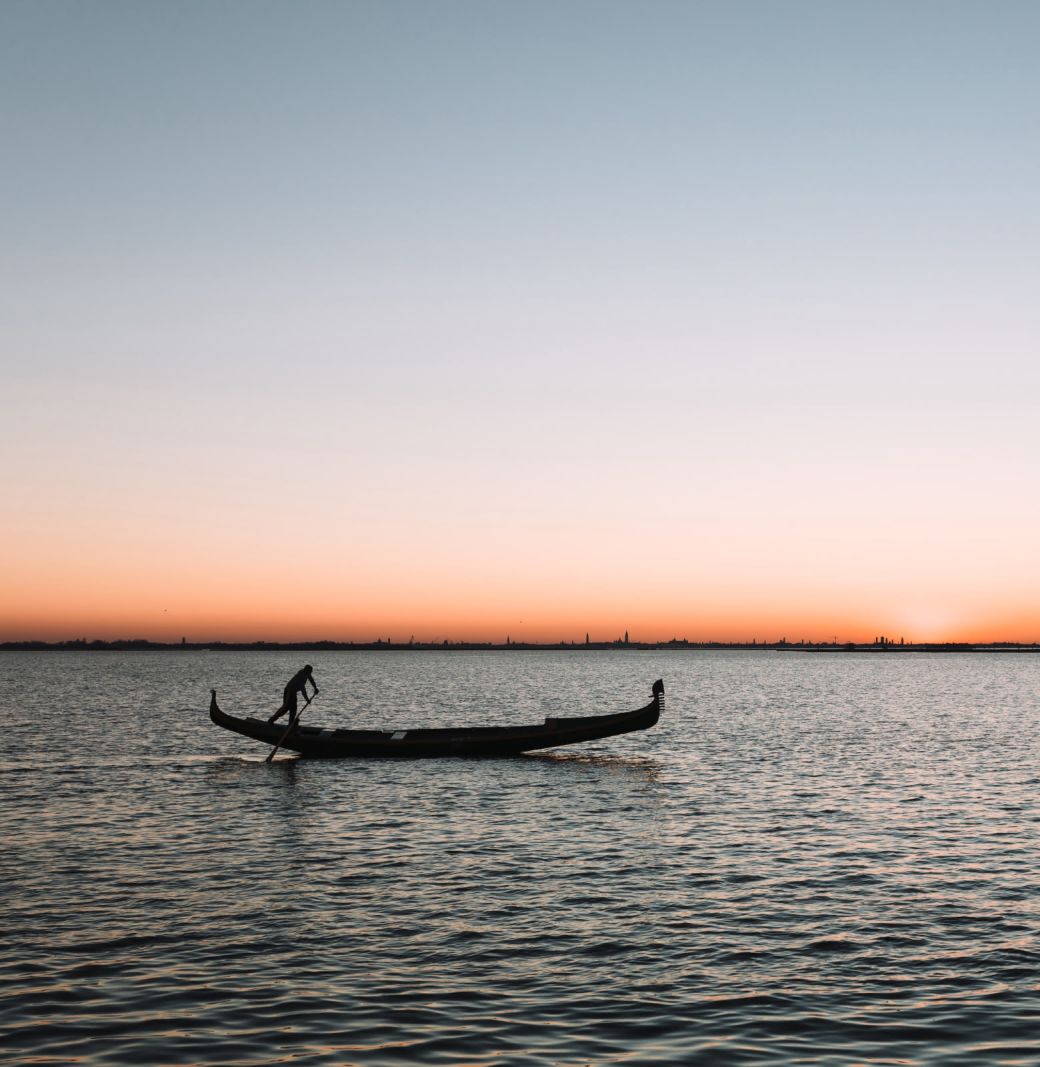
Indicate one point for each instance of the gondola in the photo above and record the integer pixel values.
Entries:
(317, 742)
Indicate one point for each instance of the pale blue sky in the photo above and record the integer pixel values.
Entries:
(698, 162)
(330, 239)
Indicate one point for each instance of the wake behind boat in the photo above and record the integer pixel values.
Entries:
(318, 742)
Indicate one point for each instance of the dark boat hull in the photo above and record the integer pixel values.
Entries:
(318, 742)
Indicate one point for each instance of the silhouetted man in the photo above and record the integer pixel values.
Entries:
(297, 684)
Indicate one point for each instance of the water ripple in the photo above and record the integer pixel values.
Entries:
(810, 861)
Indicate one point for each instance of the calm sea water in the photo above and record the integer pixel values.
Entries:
(827, 859)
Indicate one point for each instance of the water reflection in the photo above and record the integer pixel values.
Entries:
(832, 867)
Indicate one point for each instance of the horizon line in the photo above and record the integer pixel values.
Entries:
(880, 644)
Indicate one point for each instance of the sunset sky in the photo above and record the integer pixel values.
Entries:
(467, 319)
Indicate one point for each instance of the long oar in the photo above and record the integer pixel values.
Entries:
(293, 720)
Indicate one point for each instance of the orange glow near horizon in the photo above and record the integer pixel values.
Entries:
(302, 607)
(480, 573)
(554, 569)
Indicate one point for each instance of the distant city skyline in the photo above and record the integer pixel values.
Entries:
(331, 320)
(879, 644)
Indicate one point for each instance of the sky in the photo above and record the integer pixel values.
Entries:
(470, 320)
